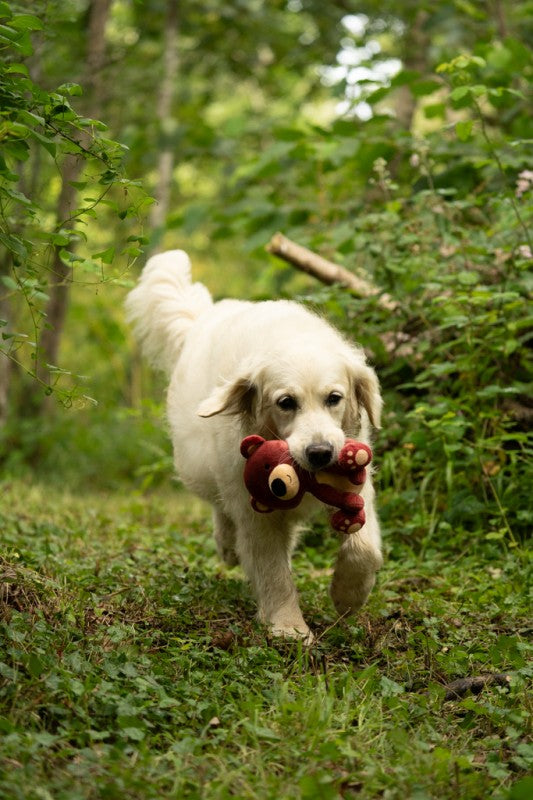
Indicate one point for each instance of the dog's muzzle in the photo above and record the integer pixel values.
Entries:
(319, 455)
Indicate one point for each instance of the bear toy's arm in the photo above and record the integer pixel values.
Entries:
(353, 458)
(337, 492)
(341, 484)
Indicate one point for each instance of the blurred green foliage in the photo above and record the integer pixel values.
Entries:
(392, 138)
(40, 129)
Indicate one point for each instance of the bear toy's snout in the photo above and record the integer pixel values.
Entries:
(284, 482)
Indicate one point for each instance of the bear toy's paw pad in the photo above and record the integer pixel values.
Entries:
(348, 523)
(354, 456)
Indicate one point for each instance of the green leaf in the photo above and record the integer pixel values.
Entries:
(26, 22)
(463, 129)
(21, 69)
(15, 245)
(468, 278)
(14, 194)
(470, 9)
(19, 40)
(35, 666)
(59, 239)
(522, 789)
(390, 688)
(45, 141)
(30, 118)
(63, 110)
(405, 76)
(9, 282)
(434, 110)
(6, 726)
(460, 93)
(461, 62)
(423, 88)
(106, 256)
(262, 732)
(73, 89)
(87, 122)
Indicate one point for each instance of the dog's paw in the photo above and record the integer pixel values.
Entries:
(288, 626)
(349, 596)
(354, 575)
(305, 635)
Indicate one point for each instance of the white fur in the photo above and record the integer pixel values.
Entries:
(229, 363)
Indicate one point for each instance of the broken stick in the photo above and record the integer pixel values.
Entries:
(457, 689)
(326, 271)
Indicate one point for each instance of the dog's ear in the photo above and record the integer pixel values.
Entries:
(230, 398)
(366, 392)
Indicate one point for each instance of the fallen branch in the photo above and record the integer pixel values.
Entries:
(326, 271)
(457, 689)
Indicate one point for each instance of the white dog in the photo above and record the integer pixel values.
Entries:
(271, 368)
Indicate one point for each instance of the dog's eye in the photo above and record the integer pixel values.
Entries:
(333, 399)
(287, 403)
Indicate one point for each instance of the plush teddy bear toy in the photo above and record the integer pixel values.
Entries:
(275, 481)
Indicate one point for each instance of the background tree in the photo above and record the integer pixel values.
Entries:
(38, 254)
(56, 307)
(166, 122)
(390, 138)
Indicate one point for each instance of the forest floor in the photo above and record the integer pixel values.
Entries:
(131, 665)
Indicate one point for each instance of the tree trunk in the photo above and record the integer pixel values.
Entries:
(5, 369)
(166, 123)
(415, 58)
(500, 19)
(56, 308)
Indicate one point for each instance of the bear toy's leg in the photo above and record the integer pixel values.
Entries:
(348, 522)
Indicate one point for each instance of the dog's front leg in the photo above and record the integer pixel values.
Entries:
(264, 546)
(358, 560)
(224, 529)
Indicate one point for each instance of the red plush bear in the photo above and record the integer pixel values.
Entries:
(275, 481)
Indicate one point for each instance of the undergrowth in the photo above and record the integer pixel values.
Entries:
(132, 667)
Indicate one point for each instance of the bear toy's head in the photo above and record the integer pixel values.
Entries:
(270, 475)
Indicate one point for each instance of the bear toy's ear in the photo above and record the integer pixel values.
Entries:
(250, 444)
(257, 506)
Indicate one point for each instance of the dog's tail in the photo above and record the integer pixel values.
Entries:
(164, 305)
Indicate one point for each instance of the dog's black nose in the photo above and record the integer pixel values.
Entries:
(319, 455)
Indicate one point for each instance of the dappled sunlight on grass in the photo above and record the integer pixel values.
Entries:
(131, 657)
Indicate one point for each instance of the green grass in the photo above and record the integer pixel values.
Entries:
(131, 666)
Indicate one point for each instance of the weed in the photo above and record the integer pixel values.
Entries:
(132, 667)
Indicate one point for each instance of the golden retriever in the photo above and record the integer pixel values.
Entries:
(271, 368)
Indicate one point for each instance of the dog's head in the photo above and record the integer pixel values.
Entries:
(313, 397)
